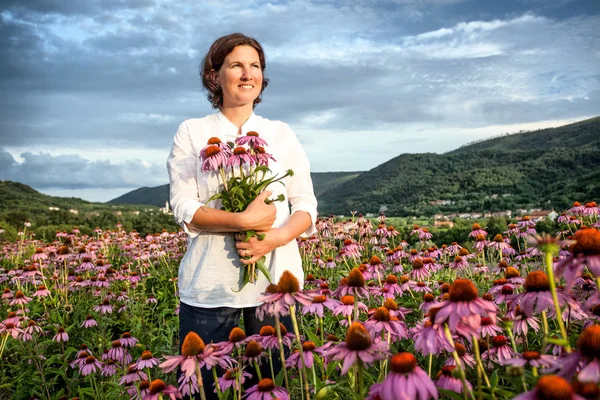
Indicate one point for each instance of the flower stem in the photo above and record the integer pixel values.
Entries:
(479, 362)
(281, 352)
(303, 366)
(561, 324)
(199, 380)
(459, 365)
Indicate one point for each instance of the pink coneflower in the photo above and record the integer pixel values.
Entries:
(32, 327)
(420, 287)
(41, 292)
(213, 158)
(13, 318)
(146, 360)
(526, 222)
(464, 306)
(354, 285)
(576, 209)
(488, 328)
(251, 139)
(262, 158)
(430, 338)
(480, 243)
(465, 357)
(90, 365)
(288, 294)
(381, 320)
(476, 231)
(375, 268)
(591, 208)
(585, 252)
(119, 353)
(61, 336)
(19, 299)
(193, 350)
(447, 381)
(7, 294)
(419, 272)
(110, 368)
(346, 306)
(358, 345)
(229, 379)
(406, 380)
(104, 308)
(132, 375)
(500, 350)
(534, 359)
(253, 352)
(522, 322)
(151, 299)
(391, 284)
(158, 389)
(537, 295)
(127, 340)
(89, 322)
(499, 243)
(237, 338)
(240, 156)
(588, 351)
(550, 387)
(79, 359)
(459, 262)
(318, 305)
(294, 360)
(39, 255)
(266, 390)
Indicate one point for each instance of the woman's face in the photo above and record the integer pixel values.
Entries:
(240, 77)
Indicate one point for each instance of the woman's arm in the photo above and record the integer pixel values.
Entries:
(258, 216)
(298, 223)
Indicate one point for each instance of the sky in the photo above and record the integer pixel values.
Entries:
(92, 92)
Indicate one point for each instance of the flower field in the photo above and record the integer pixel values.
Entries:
(380, 316)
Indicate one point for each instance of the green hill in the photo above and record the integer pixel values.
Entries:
(47, 214)
(157, 196)
(549, 167)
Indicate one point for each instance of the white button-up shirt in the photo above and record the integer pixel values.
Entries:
(211, 267)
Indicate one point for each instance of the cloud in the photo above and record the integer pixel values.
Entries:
(45, 171)
(122, 75)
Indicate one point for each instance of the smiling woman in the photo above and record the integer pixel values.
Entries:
(232, 72)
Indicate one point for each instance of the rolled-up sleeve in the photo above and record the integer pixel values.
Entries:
(182, 166)
(299, 186)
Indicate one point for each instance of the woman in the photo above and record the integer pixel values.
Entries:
(232, 73)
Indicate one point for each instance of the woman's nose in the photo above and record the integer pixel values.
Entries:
(246, 73)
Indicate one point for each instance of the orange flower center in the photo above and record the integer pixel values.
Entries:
(253, 349)
(553, 387)
(356, 278)
(214, 140)
(589, 341)
(192, 345)
(236, 335)
(288, 283)
(239, 150)
(463, 290)
(403, 363)
(390, 304)
(212, 150)
(266, 385)
(157, 386)
(308, 346)
(382, 314)
(588, 242)
(357, 337)
(537, 281)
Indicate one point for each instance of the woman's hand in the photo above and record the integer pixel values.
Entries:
(255, 248)
(259, 216)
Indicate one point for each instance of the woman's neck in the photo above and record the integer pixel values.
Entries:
(237, 115)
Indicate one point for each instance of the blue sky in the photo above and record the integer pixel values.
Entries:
(92, 92)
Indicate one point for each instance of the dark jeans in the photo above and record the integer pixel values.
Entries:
(215, 324)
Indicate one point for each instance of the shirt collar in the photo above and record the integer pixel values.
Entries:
(229, 130)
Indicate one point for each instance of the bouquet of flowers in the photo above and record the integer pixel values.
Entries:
(242, 169)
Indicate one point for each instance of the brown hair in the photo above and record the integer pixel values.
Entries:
(214, 60)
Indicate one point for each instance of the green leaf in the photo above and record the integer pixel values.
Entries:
(260, 264)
